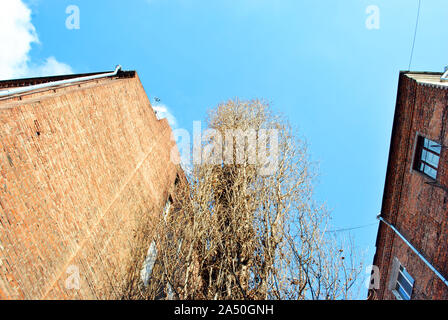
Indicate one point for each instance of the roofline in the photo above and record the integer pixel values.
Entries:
(25, 82)
(432, 73)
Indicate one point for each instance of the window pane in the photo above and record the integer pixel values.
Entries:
(404, 283)
(431, 145)
(435, 160)
(422, 167)
(435, 147)
(432, 159)
(408, 276)
(424, 155)
(148, 264)
(430, 172)
(403, 293)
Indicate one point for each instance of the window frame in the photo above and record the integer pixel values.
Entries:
(418, 161)
(400, 289)
(400, 279)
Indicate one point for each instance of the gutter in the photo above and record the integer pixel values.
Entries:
(415, 250)
(13, 91)
(444, 77)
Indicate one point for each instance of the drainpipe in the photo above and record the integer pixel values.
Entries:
(9, 92)
(444, 78)
(414, 249)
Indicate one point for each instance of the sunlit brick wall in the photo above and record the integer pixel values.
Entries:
(81, 168)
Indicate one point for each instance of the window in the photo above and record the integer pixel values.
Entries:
(401, 282)
(427, 157)
(151, 256)
(148, 265)
(405, 283)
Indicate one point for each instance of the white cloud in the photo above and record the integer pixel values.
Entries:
(50, 67)
(162, 112)
(17, 34)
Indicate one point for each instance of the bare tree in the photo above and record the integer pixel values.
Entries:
(235, 232)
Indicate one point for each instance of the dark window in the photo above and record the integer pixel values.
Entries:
(404, 285)
(427, 157)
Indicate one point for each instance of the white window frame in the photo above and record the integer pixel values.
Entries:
(151, 256)
(148, 264)
(399, 269)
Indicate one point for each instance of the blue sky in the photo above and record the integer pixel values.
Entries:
(314, 60)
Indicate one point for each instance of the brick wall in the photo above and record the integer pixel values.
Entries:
(81, 169)
(417, 208)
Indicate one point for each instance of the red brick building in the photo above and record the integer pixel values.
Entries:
(412, 241)
(84, 165)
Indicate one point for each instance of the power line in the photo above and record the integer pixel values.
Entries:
(415, 34)
(352, 228)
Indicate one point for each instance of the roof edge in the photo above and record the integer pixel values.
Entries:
(25, 82)
(432, 73)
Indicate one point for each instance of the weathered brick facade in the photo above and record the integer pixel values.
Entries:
(82, 167)
(413, 202)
